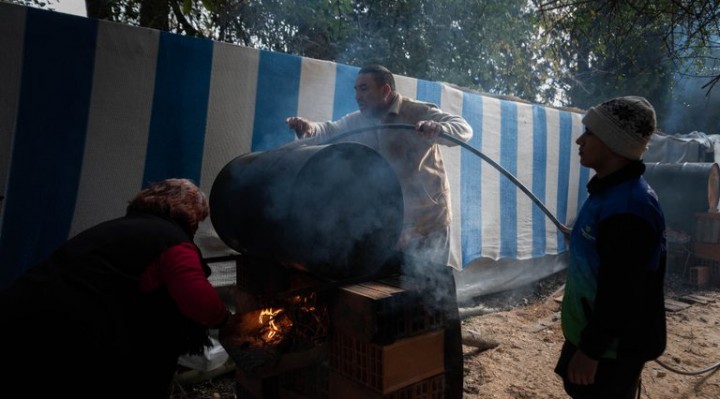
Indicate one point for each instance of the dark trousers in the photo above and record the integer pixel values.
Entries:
(614, 379)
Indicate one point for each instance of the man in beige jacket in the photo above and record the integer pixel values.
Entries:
(417, 160)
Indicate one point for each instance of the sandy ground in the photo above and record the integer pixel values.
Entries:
(525, 326)
(529, 337)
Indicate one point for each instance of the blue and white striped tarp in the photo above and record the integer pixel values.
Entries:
(92, 111)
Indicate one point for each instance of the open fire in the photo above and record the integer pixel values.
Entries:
(267, 318)
(261, 337)
(301, 320)
(275, 324)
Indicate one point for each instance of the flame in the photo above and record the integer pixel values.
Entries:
(272, 325)
(267, 318)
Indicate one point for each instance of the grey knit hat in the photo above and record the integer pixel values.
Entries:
(624, 124)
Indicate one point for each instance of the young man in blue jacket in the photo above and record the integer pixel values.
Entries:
(613, 314)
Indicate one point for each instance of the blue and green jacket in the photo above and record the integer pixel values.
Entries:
(613, 305)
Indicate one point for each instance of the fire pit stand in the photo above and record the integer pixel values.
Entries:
(374, 339)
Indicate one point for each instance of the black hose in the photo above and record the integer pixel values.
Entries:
(475, 151)
(684, 372)
(512, 178)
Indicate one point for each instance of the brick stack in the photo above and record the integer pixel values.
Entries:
(381, 343)
(384, 344)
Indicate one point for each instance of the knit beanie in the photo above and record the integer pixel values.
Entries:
(624, 124)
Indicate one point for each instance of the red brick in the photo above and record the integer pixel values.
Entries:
(388, 368)
(345, 388)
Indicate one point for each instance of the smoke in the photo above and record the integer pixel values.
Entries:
(337, 209)
(485, 277)
(691, 107)
(349, 204)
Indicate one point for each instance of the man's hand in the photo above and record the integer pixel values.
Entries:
(428, 129)
(301, 126)
(566, 231)
(582, 369)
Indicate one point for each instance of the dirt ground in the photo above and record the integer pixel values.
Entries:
(525, 326)
(521, 366)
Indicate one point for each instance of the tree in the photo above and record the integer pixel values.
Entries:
(482, 45)
(560, 52)
(659, 49)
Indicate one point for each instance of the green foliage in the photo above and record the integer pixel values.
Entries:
(484, 45)
(609, 48)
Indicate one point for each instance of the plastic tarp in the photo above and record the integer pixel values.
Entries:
(92, 111)
(678, 148)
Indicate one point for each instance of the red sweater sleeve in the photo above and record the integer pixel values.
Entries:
(180, 271)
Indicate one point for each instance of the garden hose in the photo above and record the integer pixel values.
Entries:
(475, 151)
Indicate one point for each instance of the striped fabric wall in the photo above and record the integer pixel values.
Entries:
(92, 111)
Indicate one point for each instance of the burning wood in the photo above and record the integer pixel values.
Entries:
(300, 320)
(260, 337)
(268, 319)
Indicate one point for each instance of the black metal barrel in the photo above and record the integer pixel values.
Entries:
(335, 210)
(685, 189)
